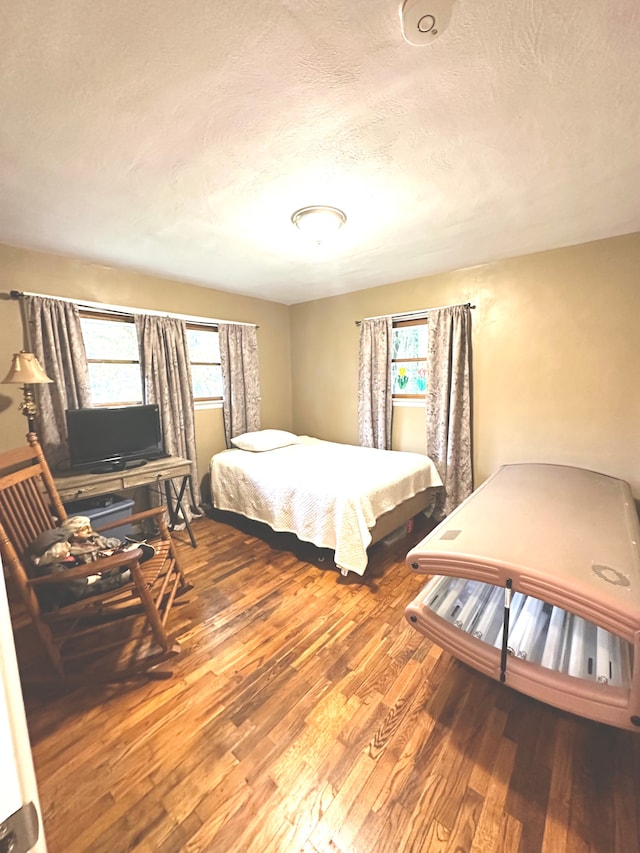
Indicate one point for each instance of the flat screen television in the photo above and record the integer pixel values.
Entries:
(110, 439)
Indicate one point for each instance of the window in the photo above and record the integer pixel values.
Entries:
(409, 359)
(111, 343)
(206, 371)
(114, 360)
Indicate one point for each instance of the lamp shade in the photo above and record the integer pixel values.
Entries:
(25, 370)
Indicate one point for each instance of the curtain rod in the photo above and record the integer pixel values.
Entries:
(417, 314)
(121, 309)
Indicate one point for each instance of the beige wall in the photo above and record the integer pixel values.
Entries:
(555, 347)
(54, 276)
(556, 352)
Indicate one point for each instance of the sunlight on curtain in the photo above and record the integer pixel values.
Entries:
(241, 379)
(374, 383)
(166, 375)
(56, 340)
(448, 403)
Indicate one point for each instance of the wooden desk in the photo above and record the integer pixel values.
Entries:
(73, 487)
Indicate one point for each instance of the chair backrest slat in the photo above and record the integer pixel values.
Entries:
(9, 510)
(24, 501)
(24, 514)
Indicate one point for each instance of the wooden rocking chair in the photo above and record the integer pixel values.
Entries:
(111, 635)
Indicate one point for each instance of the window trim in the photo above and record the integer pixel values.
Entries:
(92, 314)
(122, 317)
(206, 402)
(398, 324)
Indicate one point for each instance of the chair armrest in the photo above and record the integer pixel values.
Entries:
(125, 559)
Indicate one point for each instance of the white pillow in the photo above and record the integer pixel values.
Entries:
(264, 439)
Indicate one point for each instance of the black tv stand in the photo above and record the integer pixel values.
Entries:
(118, 465)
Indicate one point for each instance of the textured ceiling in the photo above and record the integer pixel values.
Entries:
(179, 137)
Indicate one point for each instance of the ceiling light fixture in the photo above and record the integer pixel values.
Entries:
(319, 220)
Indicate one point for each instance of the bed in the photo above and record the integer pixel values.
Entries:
(336, 496)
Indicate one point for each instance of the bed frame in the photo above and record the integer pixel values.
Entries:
(536, 583)
(400, 515)
(337, 496)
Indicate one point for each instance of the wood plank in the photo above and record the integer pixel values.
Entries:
(306, 715)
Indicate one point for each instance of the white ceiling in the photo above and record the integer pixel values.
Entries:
(178, 137)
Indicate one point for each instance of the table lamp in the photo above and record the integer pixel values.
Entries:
(26, 370)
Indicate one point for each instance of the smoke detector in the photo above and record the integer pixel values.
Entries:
(424, 20)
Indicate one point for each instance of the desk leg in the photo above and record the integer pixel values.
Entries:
(177, 507)
(170, 506)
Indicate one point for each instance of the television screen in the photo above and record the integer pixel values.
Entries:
(114, 438)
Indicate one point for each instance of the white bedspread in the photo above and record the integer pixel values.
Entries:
(326, 493)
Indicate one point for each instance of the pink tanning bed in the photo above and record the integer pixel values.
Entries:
(535, 581)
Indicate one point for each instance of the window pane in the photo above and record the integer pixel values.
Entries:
(115, 383)
(110, 339)
(207, 381)
(410, 341)
(204, 345)
(410, 378)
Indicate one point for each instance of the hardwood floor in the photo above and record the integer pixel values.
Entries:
(305, 714)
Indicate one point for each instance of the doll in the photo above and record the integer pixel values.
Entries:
(72, 544)
(84, 542)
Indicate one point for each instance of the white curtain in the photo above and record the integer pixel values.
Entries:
(241, 379)
(166, 375)
(374, 383)
(448, 403)
(56, 339)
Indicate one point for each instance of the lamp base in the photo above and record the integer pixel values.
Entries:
(28, 407)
